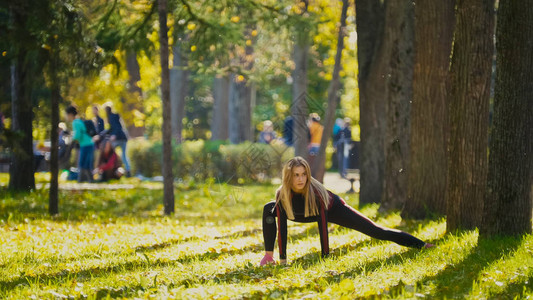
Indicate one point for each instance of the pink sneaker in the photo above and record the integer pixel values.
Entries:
(428, 245)
(267, 260)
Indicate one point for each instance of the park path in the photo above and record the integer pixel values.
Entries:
(75, 186)
(336, 184)
(332, 181)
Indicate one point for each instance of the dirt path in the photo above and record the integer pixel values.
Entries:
(332, 181)
(336, 184)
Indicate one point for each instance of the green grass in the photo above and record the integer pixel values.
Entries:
(116, 243)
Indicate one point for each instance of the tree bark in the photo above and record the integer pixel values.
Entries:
(132, 65)
(333, 98)
(21, 170)
(233, 120)
(299, 109)
(399, 24)
(371, 55)
(219, 126)
(508, 200)
(468, 114)
(242, 94)
(240, 125)
(179, 87)
(434, 22)
(168, 178)
(53, 201)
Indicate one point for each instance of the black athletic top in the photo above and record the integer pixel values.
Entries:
(298, 208)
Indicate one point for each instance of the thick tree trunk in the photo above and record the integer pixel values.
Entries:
(21, 170)
(168, 178)
(299, 109)
(132, 65)
(53, 201)
(399, 24)
(508, 202)
(468, 113)
(319, 166)
(219, 126)
(371, 55)
(179, 87)
(434, 22)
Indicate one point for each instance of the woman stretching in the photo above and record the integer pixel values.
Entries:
(302, 198)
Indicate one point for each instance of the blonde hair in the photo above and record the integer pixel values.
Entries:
(311, 189)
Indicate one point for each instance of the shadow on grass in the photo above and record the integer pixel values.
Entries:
(516, 290)
(457, 279)
(107, 206)
(78, 206)
(335, 277)
(254, 273)
(84, 274)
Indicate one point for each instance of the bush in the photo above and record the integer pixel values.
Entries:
(145, 157)
(201, 160)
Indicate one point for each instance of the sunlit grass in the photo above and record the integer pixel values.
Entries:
(117, 243)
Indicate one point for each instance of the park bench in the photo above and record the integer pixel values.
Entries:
(351, 152)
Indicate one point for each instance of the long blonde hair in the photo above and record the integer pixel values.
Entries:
(312, 188)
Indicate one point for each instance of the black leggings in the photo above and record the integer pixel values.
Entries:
(339, 213)
(344, 215)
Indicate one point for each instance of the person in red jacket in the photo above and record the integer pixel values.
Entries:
(301, 198)
(108, 162)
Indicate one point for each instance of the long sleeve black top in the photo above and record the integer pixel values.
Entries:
(298, 207)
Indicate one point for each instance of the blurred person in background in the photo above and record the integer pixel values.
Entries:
(315, 136)
(86, 153)
(344, 136)
(267, 135)
(118, 136)
(108, 166)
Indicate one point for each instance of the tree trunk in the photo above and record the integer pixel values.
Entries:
(240, 125)
(234, 104)
(434, 22)
(299, 109)
(53, 201)
(508, 202)
(242, 94)
(219, 126)
(21, 170)
(333, 98)
(132, 65)
(468, 113)
(179, 87)
(371, 54)
(168, 178)
(399, 24)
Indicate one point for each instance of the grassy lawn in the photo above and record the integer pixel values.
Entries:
(116, 243)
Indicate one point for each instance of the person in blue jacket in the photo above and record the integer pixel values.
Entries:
(118, 136)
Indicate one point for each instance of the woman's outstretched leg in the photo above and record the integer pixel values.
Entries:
(344, 215)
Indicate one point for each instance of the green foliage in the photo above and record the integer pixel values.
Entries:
(116, 243)
(201, 160)
(213, 36)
